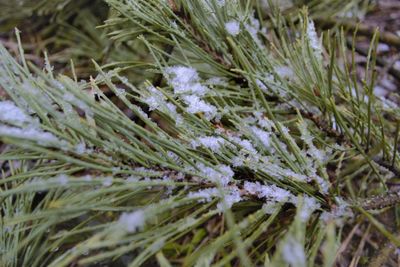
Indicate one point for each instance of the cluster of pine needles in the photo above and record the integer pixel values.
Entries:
(194, 133)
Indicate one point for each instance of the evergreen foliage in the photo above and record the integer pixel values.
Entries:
(223, 133)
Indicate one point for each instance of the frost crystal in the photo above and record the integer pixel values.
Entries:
(12, 114)
(338, 213)
(205, 195)
(155, 100)
(80, 148)
(315, 42)
(107, 181)
(269, 207)
(237, 161)
(293, 253)
(174, 114)
(70, 98)
(284, 71)
(32, 134)
(229, 198)
(217, 81)
(253, 27)
(222, 174)
(270, 192)
(133, 221)
(186, 84)
(120, 91)
(262, 86)
(317, 154)
(196, 105)
(211, 142)
(309, 206)
(246, 144)
(87, 178)
(185, 80)
(220, 3)
(62, 179)
(264, 122)
(232, 27)
(262, 135)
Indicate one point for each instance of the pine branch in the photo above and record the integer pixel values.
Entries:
(243, 156)
(380, 202)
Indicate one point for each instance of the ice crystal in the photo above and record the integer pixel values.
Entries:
(204, 195)
(310, 204)
(155, 99)
(270, 192)
(293, 253)
(80, 148)
(262, 135)
(12, 114)
(230, 197)
(269, 207)
(211, 142)
(221, 174)
(107, 181)
(62, 179)
(185, 80)
(232, 27)
(32, 134)
(132, 222)
(197, 105)
(246, 144)
(253, 27)
(315, 42)
(284, 72)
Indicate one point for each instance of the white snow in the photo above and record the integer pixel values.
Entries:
(284, 72)
(211, 142)
(107, 181)
(62, 179)
(221, 173)
(293, 253)
(262, 135)
(261, 85)
(269, 207)
(232, 27)
(132, 222)
(315, 42)
(246, 144)
(185, 80)
(205, 195)
(155, 100)
(230, 195)
(80, 148)
(270, 192)
(197, 105)
(32, 134)
(310, 204)
(12, 114)
(253, 27)
(217, 81)
(379, 91)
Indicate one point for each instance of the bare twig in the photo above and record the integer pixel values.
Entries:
(380, 202)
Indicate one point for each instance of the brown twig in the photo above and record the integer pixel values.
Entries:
(380, 202)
